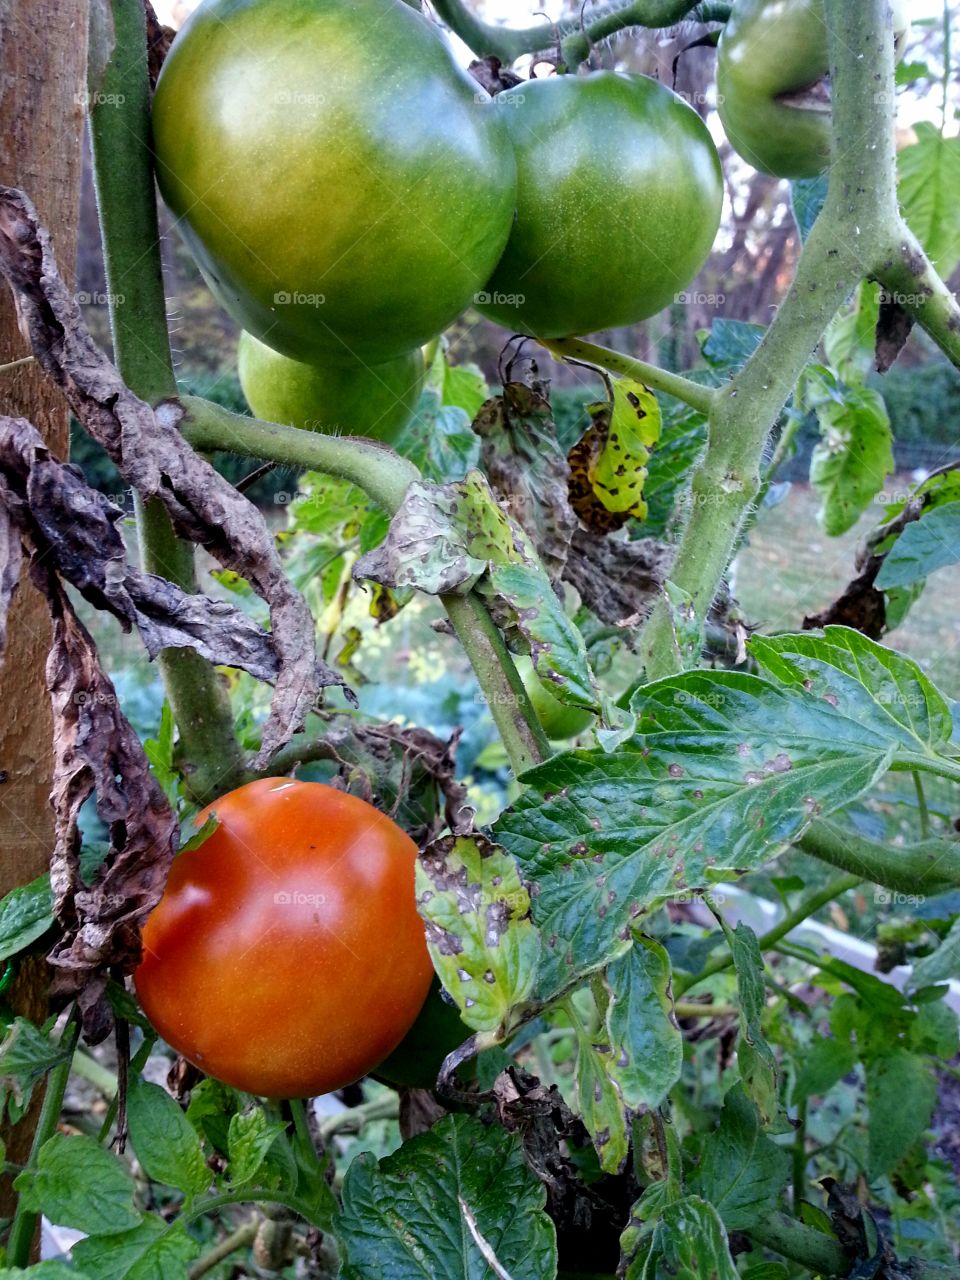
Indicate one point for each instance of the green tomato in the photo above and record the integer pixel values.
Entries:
(343, 185)
(772, 88)
(558, 720)
(619, 201)
(416, 1061)
(334, 397)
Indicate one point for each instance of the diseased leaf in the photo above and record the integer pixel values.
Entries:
(481, 940)
(154, 1250)
(928, 544)
(851, 339)
(732, 768)
(901, 1095)
(76, 1183)
(620, 469)
(941, 965)
(929, 194)
(855, 452)
(865, 681)
(601, 1103)
(758, 1067)
(741, 1171)
(442, 1205)
(165, 1142)
(688, 1242)
(645, 1041)
(26, 913)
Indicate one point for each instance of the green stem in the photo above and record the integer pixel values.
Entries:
(808, 907)
(356, 1119)
(690, 1009)
(89, 1069)
(910, 280)
(928, 867)
(213, 1203)
(939, 766)
(673, 384)
(239, 1239)
(126, 201)
(922, 804)
(20, 1239)
(382, 474)
(524, 740)
(510, 43)
(817, 1252)
(851, 232)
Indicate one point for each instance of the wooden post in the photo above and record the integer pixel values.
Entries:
(43, 55)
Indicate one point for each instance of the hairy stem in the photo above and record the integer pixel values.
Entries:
(850, 234)
(928, 867)
(123, 173)
(673, 384)
(817, 1252)
(575, 39)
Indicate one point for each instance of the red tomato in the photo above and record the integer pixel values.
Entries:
(286, 956)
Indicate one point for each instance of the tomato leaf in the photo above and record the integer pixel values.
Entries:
(600, 1103)
(645, 1041)
(901, 1095)
(729, 344)
(930, 194)
(151, 1250)
(481, 940)
(865, 681)
(824, 1064)
(165, 1142)
(940, 965)
(741, 1171)
(26, 1055)
(443, 1205)
(249, 1139)
(732, 769)
(851, 340)
(855, 452)
(77, 1184)
(687, 1241)
(928, 544)
(758, 1067)
(26, 913)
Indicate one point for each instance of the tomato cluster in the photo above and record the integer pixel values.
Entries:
(348, 190)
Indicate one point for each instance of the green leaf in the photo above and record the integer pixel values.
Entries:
(928, 544)
(930, 194)
(687, 1243)
(730, 344)
(732, 769)
(26, 913)
(869, 684)
(154, 1250)
(619, 472)
(601, 1104)
(822, 1066)
(439, 440)
(741, 1172)
(807, 197)
(855, 452)
(78, 1184)
(212, 1106)
(851, 340)
(940, 965)
(645, 1041)
(935, 1030)
(165, 1142)
(26, 1055)
(481, 940)
(464, 387)
(439, 1203)
(249, 1139)
(682, 441)
(758, 1067)
(901, 1095)
(45, 1271)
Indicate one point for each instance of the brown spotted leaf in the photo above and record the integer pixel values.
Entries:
(482, 942)
(527, 469)
(152, 456)
(726, 770)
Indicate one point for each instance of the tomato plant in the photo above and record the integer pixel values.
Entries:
(348, 396)
(507, 826)
(286, 956)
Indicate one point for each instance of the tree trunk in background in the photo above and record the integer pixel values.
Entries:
(43, 49)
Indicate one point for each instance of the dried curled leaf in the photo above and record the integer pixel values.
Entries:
(152, 456)
(74, 529)
(619, 580)
(527, 470)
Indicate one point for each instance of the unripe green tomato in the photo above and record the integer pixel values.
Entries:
(349, 398)
(344, 186)
(771, 48)
(619, 201)
(416, 1061)
(558, 720)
